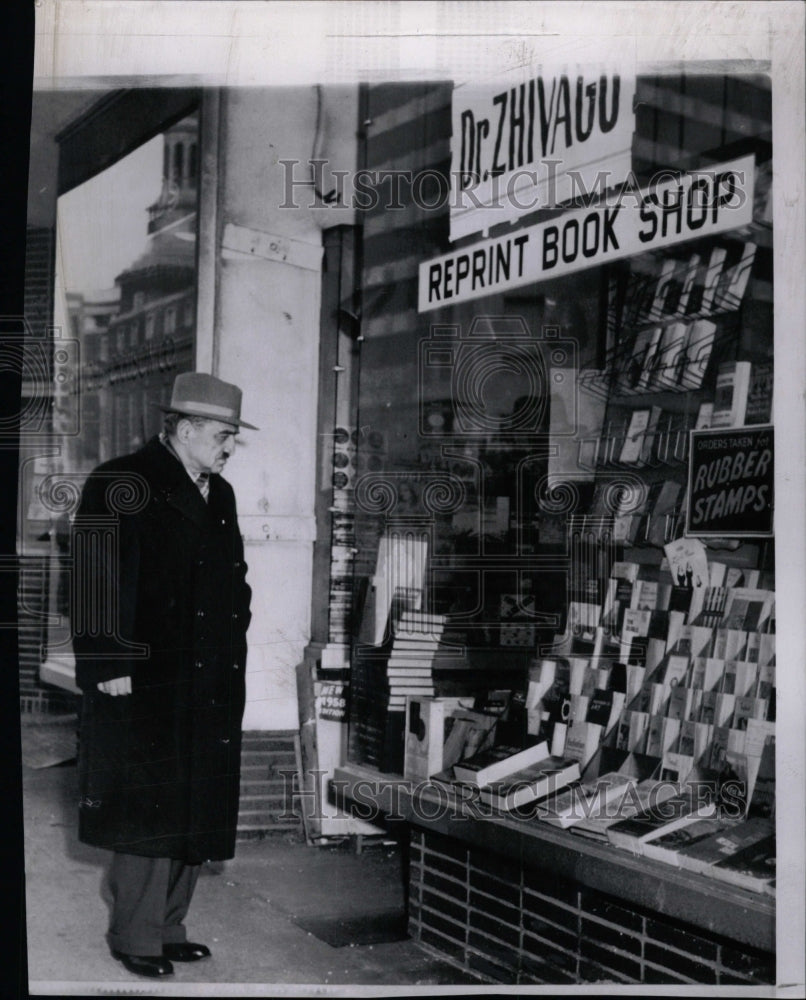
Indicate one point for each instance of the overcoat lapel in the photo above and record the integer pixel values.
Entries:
(171, 479)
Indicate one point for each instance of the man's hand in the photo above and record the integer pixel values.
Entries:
(118, 685)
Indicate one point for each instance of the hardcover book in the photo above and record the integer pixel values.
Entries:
(530, 783)
(730, 400)
(654, 737)
(702, 294)
(639, 723)
(641, 363)
(639, 436)
(752, 867)
(758, 408)
(734, 280)
(425, 736)
(669, 847)
(648, 791)
(698, 353)
(598, 797)
(470, 732)
(680, 704)
(658, 820)
(582, 741)
(706, 673)
(623, 733)
(671, 356)
(677, 668)
(762, 797)
(656, 310)
(704, 414)
(758, 732)
(699, 857)
(679, 292)
(604, 708)
(676, 767)
(498, 762)
(665, 505)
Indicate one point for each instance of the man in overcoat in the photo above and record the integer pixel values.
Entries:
(160, 610)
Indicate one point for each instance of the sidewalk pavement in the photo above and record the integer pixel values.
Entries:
(245, 910)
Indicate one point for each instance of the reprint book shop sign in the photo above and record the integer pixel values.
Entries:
(676, 208)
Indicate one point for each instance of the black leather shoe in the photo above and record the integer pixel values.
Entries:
(185, 951)
(145, 965)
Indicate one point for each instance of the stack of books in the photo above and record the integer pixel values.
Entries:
(409, 669)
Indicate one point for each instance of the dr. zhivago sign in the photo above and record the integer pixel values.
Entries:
(673, 209)
(531, 143)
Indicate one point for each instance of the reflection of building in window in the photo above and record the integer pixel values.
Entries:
(170, 320)
(178, 195)
(143, 331)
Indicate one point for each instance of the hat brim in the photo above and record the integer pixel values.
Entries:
(190, 412)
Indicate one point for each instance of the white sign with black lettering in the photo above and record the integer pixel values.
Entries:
(536, 143)
(679, 207)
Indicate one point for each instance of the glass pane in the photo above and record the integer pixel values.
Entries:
(124, 281)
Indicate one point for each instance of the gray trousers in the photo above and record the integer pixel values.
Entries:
(151, 897)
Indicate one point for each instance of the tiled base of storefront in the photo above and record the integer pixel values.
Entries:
(515, 925)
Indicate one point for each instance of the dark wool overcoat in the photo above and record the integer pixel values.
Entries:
(159, 594)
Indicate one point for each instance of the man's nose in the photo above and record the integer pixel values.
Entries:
(228, 448)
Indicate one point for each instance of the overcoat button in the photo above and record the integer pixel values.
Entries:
(234, 614)
(200, 613)
(235, 666)
(199, 664)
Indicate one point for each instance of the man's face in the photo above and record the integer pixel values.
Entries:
(209, 445)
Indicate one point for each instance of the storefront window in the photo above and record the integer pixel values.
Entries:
(501, 470)
(144, 248)
(124, 236)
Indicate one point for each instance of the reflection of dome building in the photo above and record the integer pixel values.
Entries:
(130, 365)
(179, 175)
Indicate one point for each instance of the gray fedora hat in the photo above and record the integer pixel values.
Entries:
(196, 394)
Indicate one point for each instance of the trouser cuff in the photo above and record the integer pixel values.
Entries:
(142, 947)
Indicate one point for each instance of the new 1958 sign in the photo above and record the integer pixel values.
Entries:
(730, 483)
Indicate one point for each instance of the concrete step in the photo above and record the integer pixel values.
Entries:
(268, 819)
(259, 758)
(266, 789)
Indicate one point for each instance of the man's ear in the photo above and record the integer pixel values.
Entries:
(183, 429)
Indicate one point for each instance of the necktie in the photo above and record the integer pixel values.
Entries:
(203, 482)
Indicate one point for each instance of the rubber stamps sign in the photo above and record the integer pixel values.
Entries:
(536, 143)
(730, 484)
